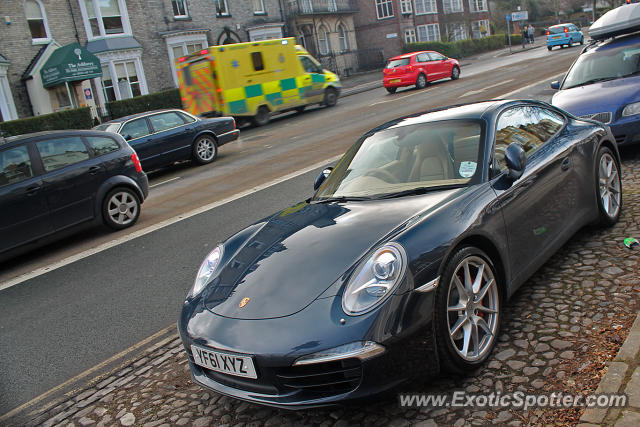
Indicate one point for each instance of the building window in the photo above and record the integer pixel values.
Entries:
(342, 38)
(480, 28)
(409, 36)
(183, 46)
(120, 80)
(179, 8)
(323, 40)
(384, 9)
(428, 33)
(456, 32)
(258, 7)
(452, 6)
(222, 8)
(62, 97)
(426, 6)
(333, 6)
(478, 5)
(37, 20)
(405, 7)
(104, 18)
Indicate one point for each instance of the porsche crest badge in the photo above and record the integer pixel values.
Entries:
(244, 302)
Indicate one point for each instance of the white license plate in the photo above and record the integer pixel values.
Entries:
(241, 366)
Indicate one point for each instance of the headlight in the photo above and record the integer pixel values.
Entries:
(207, 269)
(631, 109)
(374, 279)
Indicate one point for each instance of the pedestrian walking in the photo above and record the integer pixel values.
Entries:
(525, 36)
(531, 32)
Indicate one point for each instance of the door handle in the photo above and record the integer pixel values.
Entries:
(33, 190)
(566, 162)
(94, 170)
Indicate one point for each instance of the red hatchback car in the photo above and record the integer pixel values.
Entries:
(418, 68)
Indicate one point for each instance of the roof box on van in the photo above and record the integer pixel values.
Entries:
(621, 20)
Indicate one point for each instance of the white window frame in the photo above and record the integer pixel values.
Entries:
(458, 26)
(183, 40)
(426, 7)
(226, 7)
(7, 105)
(406, 7)
(45, 22)
(262, 11)
(327, 47)
(124, 16)
(343, 38)
(410, 36)
(110, 59)
(475, 27)
(436, 32)
(186, 9)
(386, 5)
(478, 6)
(448, 6)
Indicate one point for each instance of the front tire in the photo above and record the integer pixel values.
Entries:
(205, 149)
(421, 81)
(455, 73)
(608, 187)
(120, 208)
(467, 312)
(330, 97)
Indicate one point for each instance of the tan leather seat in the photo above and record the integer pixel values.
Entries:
(431, 163)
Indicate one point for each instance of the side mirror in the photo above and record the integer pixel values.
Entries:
(555, 84)
(516, 160)
(320, 179)
(128, 137)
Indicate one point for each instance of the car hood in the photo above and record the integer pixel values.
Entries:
(599, 97)
(295, 255)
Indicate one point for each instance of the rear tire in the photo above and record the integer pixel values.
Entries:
(205, 149)
(120, 208)
(262, 117)
(391, 89)
(330, 97)
(582, 40)
(300, 109)
(549, 48)
(421, 81)
(455, 73)
(608, 186)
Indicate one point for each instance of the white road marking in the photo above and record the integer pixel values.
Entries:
(164, 182)
(475, 92)
(398, 98)
(509, 94)
(159, 225)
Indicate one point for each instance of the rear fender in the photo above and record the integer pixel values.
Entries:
(108, 185)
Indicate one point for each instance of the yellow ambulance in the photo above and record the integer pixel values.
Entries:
(254, 80)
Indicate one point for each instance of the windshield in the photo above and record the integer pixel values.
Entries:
(406, 157)
(108, 127)
(398, 62)
(602, 65)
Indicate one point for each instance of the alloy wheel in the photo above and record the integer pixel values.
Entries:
(122, 208)
(609, 185)
(473, 308)
(205, 149)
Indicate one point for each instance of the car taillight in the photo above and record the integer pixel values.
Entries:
(566, 30)
(234, 122)
(548, 32)
(136, 162)
(410, 68)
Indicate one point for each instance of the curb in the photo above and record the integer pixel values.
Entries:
(623, 375)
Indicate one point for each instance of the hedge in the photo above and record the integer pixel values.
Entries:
(139, 104)
(463, 48)
(79, 118)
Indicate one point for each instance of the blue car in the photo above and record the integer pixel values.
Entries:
(563, 34)
(604, 82)
(163, 137)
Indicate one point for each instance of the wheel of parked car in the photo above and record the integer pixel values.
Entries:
(205, 149)
(608, 187)
(468, 310)
(120, 208)
(455, 73)
(262, 117)
(330, 97)
(391, 89)
(582, 40)
(421, 81)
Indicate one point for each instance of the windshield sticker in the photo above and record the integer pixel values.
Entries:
(467, 169)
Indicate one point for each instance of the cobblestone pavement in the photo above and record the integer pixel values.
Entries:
(558, 332)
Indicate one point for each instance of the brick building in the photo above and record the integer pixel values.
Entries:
(388, 24)
(136, 42)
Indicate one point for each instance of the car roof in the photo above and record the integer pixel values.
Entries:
(612, 43)
(561, 25)
(135, 116)
(17, 139)
(410, 54)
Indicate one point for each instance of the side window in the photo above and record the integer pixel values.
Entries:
(15, 165)
(102, 144)
(186, 118)
(423, 57)
(61, 152)
(136, 128)
(258, 64)
(309, 66)
(529, 126)
(436, 56)
(164, 121)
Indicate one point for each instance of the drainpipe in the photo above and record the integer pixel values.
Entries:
(73, 18)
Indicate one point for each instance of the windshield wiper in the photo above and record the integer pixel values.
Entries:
(419, 190)
(341, 199)
(592, 81)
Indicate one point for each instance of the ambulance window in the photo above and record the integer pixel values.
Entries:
(258, 65)
(309, 66)
(186, 75)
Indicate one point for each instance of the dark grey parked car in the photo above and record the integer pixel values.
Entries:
(53, 181)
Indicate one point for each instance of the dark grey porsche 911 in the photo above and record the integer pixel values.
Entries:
(401, 262)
